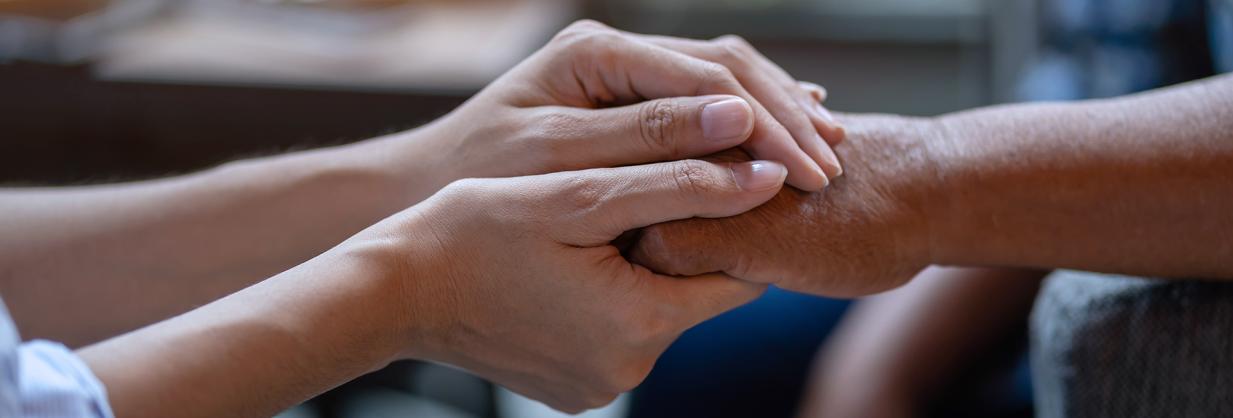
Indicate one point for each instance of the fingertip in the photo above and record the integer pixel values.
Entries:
(809, 177)
(803, 172)
(829, 162)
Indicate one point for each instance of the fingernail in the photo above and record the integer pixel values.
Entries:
(726, 120)
(831, 161)
(759, 175)
(826, 181)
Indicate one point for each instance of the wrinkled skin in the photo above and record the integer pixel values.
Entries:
(866, 233)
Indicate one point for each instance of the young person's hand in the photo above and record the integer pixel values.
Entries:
(594, 93)
(517, 280)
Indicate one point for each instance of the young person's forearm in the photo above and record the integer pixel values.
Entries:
(1138, 185)
(74, 257)
(262, 349)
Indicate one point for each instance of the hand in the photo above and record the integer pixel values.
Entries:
(516, 280)
(866, 233)
(593, 93)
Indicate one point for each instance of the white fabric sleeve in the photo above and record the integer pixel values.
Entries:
(43, 379)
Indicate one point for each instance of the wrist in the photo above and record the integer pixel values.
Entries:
(408, 166)
(948, 227)
(405, 260)
(902, 156)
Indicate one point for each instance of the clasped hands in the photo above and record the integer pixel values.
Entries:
(510, 270)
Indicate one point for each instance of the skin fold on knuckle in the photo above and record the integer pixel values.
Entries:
(580, 29)
(589, 50)
(695, 179)
(734, 51)
(554, 133)
(657, 123)
(718, 78)
(576, 197)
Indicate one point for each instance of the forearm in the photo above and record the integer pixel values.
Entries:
(73, 257)
(262, 349)
(906, 344)
(1138, 185)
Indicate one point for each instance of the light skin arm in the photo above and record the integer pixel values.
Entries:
(513, 279)
(71, 259)
(1139, 185)
(75, 257)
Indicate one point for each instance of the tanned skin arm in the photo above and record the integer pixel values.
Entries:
(1139, 185)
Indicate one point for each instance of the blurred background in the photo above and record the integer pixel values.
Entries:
(117, 89)
(98, 90)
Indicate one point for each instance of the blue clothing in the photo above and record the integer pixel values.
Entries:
(43, 379)
(750, 362)
(1220, 25)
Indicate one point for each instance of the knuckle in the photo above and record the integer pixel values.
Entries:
(554, 132)
(717, 73)
(734, 49)
(693, 177)
(582, 194)
(656, 126)
(584, 32)
(463, 189)
(719, 78)
(586, 25)
(735, 41)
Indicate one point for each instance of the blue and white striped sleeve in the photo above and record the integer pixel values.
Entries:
(43, 379)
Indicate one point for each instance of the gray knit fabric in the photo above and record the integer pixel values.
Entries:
(1116, 346)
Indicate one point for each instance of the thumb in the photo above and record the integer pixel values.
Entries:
(657, 130)
(626, 198)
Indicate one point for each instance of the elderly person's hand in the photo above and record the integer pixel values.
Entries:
(864, 234)
(594, 93)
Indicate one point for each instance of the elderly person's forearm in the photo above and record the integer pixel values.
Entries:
(1137, 185)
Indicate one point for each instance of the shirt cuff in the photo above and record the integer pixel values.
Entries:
(54, 382)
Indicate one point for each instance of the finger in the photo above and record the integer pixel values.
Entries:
(784, 98)
(615, 68)
(608, 202)
(823, 120)
(781, 95)
(696, 299)
(654, 130)
(816, 92)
